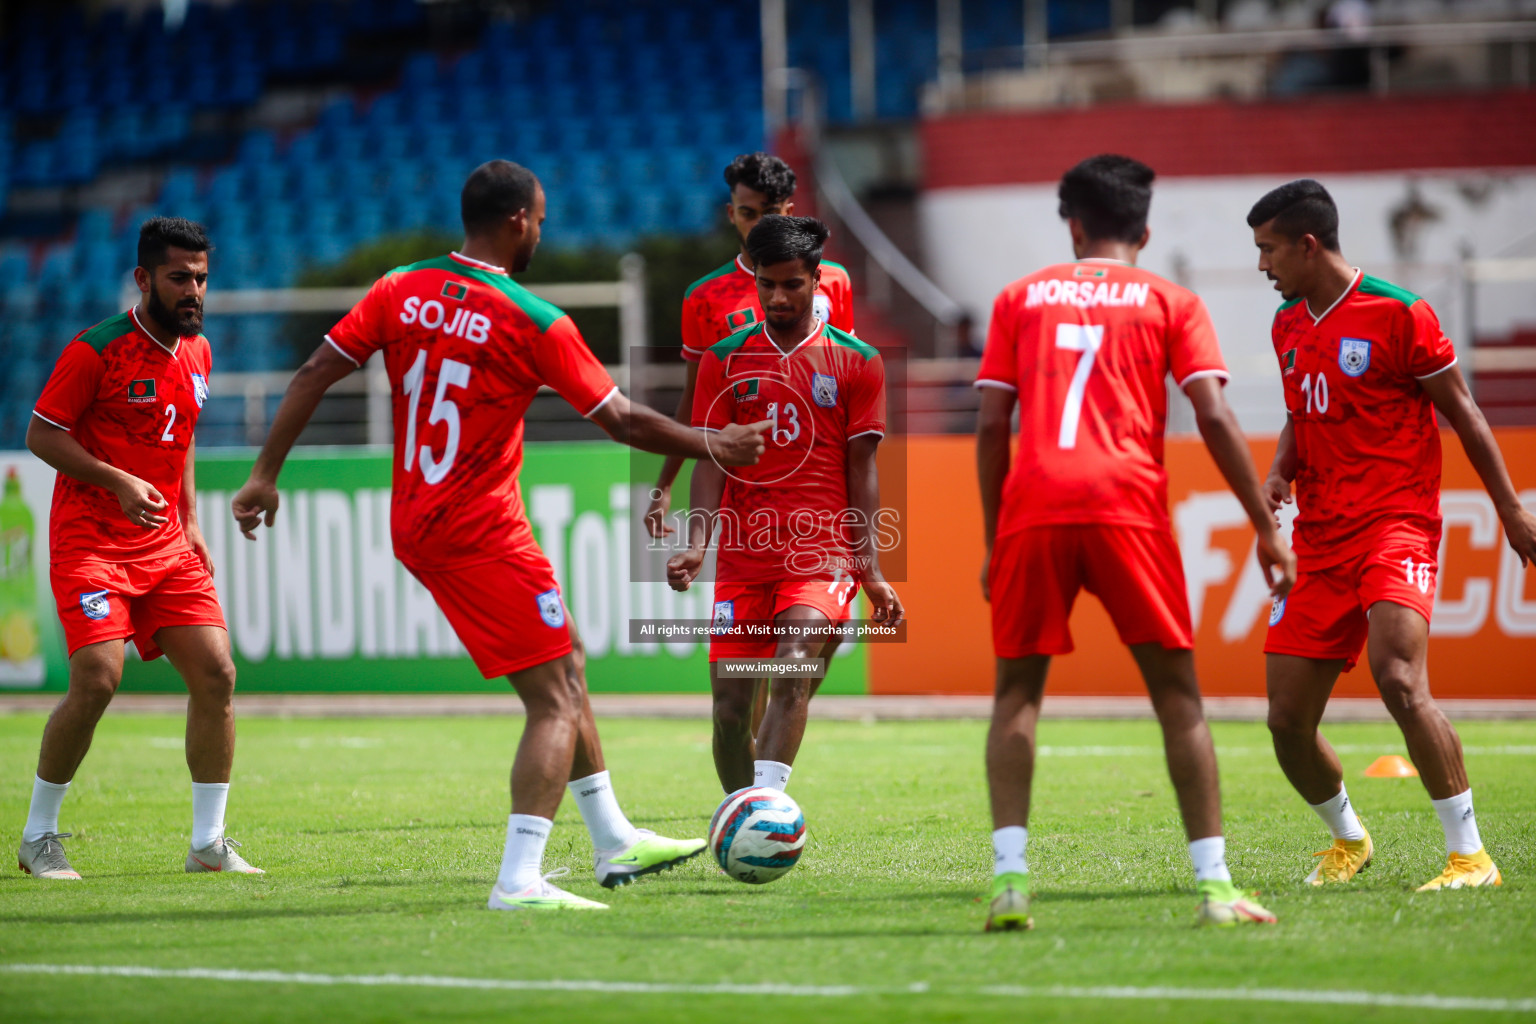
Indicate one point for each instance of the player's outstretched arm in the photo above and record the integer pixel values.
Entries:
(1448, 390)
(1225, 441)
(661, 502)
(640, 426)
(994, 436)
(864, 496)
(704, 498)
(258, 500)
(141, 503)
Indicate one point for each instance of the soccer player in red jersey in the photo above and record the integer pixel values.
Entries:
(126, 557)
(466, 349)
(797, 531)
(1082, 350)
(1365, 366)
(725, 300)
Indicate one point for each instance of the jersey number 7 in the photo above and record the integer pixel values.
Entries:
(1084, 338)
(451, 374)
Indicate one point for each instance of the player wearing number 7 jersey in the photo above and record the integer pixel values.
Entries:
(1083, 349)
(1365, 365)
(466, 349)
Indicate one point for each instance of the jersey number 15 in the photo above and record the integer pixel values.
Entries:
(451, 374)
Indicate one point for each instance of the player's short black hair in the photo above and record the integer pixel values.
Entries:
(1301, 207)
(495, 190)
(762, 172)
(778, 239)
(1110, 194)
(158, 235)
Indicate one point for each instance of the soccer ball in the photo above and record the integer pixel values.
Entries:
(757, 834)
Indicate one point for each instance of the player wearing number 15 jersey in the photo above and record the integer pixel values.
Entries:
(1365, 366)
(1083, 349)
(466, 349)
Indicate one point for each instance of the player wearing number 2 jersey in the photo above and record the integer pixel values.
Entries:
(466, 349)
(1365, 366)
(1083, 349)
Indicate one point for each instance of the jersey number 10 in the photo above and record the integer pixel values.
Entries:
(451, 374)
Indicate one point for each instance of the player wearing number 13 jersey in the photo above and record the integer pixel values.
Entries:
(1365, 366)
(1082, 349)
(466, 350)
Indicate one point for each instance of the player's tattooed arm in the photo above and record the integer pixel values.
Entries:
(1229, 449)
(994, 436)
(864, 496)
(1277, 486)
(188, 509)
(704, 499)
(142, 504)
(1448, 390)
(257, 501)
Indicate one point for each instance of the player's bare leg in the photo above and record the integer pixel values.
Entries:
(587, 758)
(789, 700)
(554, 703)
(1170, 679)
(1020, 687)
(1298, 694)
(734, 740)
(759, 705)
(201, 655)
(95, 671)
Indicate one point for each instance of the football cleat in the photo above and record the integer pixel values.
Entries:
(221, 856)
(1222, 905)
(541, 895)
(647, 855)
(1342, 861)
(1009, 911)
(1465, 871)
(44, 857)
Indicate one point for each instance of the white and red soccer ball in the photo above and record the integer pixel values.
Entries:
(757, 834)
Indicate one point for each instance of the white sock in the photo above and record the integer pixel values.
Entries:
(1339, 815)
(1008, 850)
(1459, 822)
(523, 859)
(772, 774)
(1210, 859)
(43, 814)
(606, 823)
(208, 800)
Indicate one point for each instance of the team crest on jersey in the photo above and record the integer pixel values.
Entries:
(199, 389)
(724, 617)
(550, 608)
(741, 318)
(1276, 611)
(455, 290)
(95, 604)
(824, 390)
(744, 390)
(141, 390)
(1354, 356)
(823, 308)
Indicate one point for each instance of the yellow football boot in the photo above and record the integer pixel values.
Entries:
(1465, 871)
(1342, 861)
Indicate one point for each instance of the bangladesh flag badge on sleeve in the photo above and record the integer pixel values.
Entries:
(741, 318)
(141, 390)
(744, 390)
(455, 290)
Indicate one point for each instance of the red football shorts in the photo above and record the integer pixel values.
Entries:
(1136, 572)
(101, 601)
(1324, 616)
(764, 602)
(507, 613)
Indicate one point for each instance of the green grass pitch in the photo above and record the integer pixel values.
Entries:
(381, 839)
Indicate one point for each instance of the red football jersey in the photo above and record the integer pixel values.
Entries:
(466, 348)
(1087, 345)
(785, 518)
(725, 301)
(1367, 445)
(133, 404)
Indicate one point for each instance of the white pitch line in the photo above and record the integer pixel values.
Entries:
(1224, 751)
(1251, 995)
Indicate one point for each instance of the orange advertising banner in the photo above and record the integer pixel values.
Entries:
(1482, 638)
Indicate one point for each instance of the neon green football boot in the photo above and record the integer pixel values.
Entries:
(1009, 911)
(647, 855)
(1222, 905)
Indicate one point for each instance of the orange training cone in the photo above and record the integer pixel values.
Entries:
(1391, 766)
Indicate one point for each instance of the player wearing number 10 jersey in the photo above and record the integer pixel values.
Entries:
(1365, 365)
(1083, 349)
(466, 349)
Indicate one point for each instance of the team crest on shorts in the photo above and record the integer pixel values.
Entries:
(1276, 611)
(95, 604)
(550, 608)
(824, 389)
(200, 389)
(823, 307)
(724, 617)
(1354, 356)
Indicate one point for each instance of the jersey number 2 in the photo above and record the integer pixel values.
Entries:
(452, 374)
(1087, 339)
